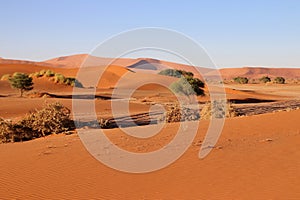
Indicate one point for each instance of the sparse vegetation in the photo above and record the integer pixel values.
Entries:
(57, 78)
(53, 118)
(6, 131)
(35, 74)
(241, 80)
(177, 114)
(217, 109)
(265, 79)
(42, 72)
(279, 80)
(21, 81)
(49, 73)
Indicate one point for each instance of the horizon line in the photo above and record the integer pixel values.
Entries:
(217, 66)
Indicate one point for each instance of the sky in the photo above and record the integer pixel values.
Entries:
(234, 33)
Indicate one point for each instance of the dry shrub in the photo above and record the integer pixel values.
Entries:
(217, 110)
(105, 123)
(175, 113)
(6, 131)
(53, 118)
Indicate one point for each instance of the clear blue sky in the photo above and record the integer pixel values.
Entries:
(235, 33)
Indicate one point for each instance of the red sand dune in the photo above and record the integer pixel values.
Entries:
(257, 158)
(148, 64)
(75, 61)
(154, 64)
(257, 72)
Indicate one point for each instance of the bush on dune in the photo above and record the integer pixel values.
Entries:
(36, 75)
(57, 78)
(49, 73)
(73, 82)
(241, 80)
(279, 80)
(265, 79)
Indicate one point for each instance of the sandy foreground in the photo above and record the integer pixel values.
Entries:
(257, 157)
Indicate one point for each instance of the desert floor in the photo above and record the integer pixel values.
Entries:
(256, 157)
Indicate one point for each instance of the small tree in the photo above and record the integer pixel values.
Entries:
(265, 79)
(279, 80)
(22, 82)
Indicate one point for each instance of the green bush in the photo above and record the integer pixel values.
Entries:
(73, 82)
(241, 80)
(49, 73)
(59, 78)
(265, 79)
(171, 72)
(185, 73)
(188, 86)
(279, 80)
(176, 73)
